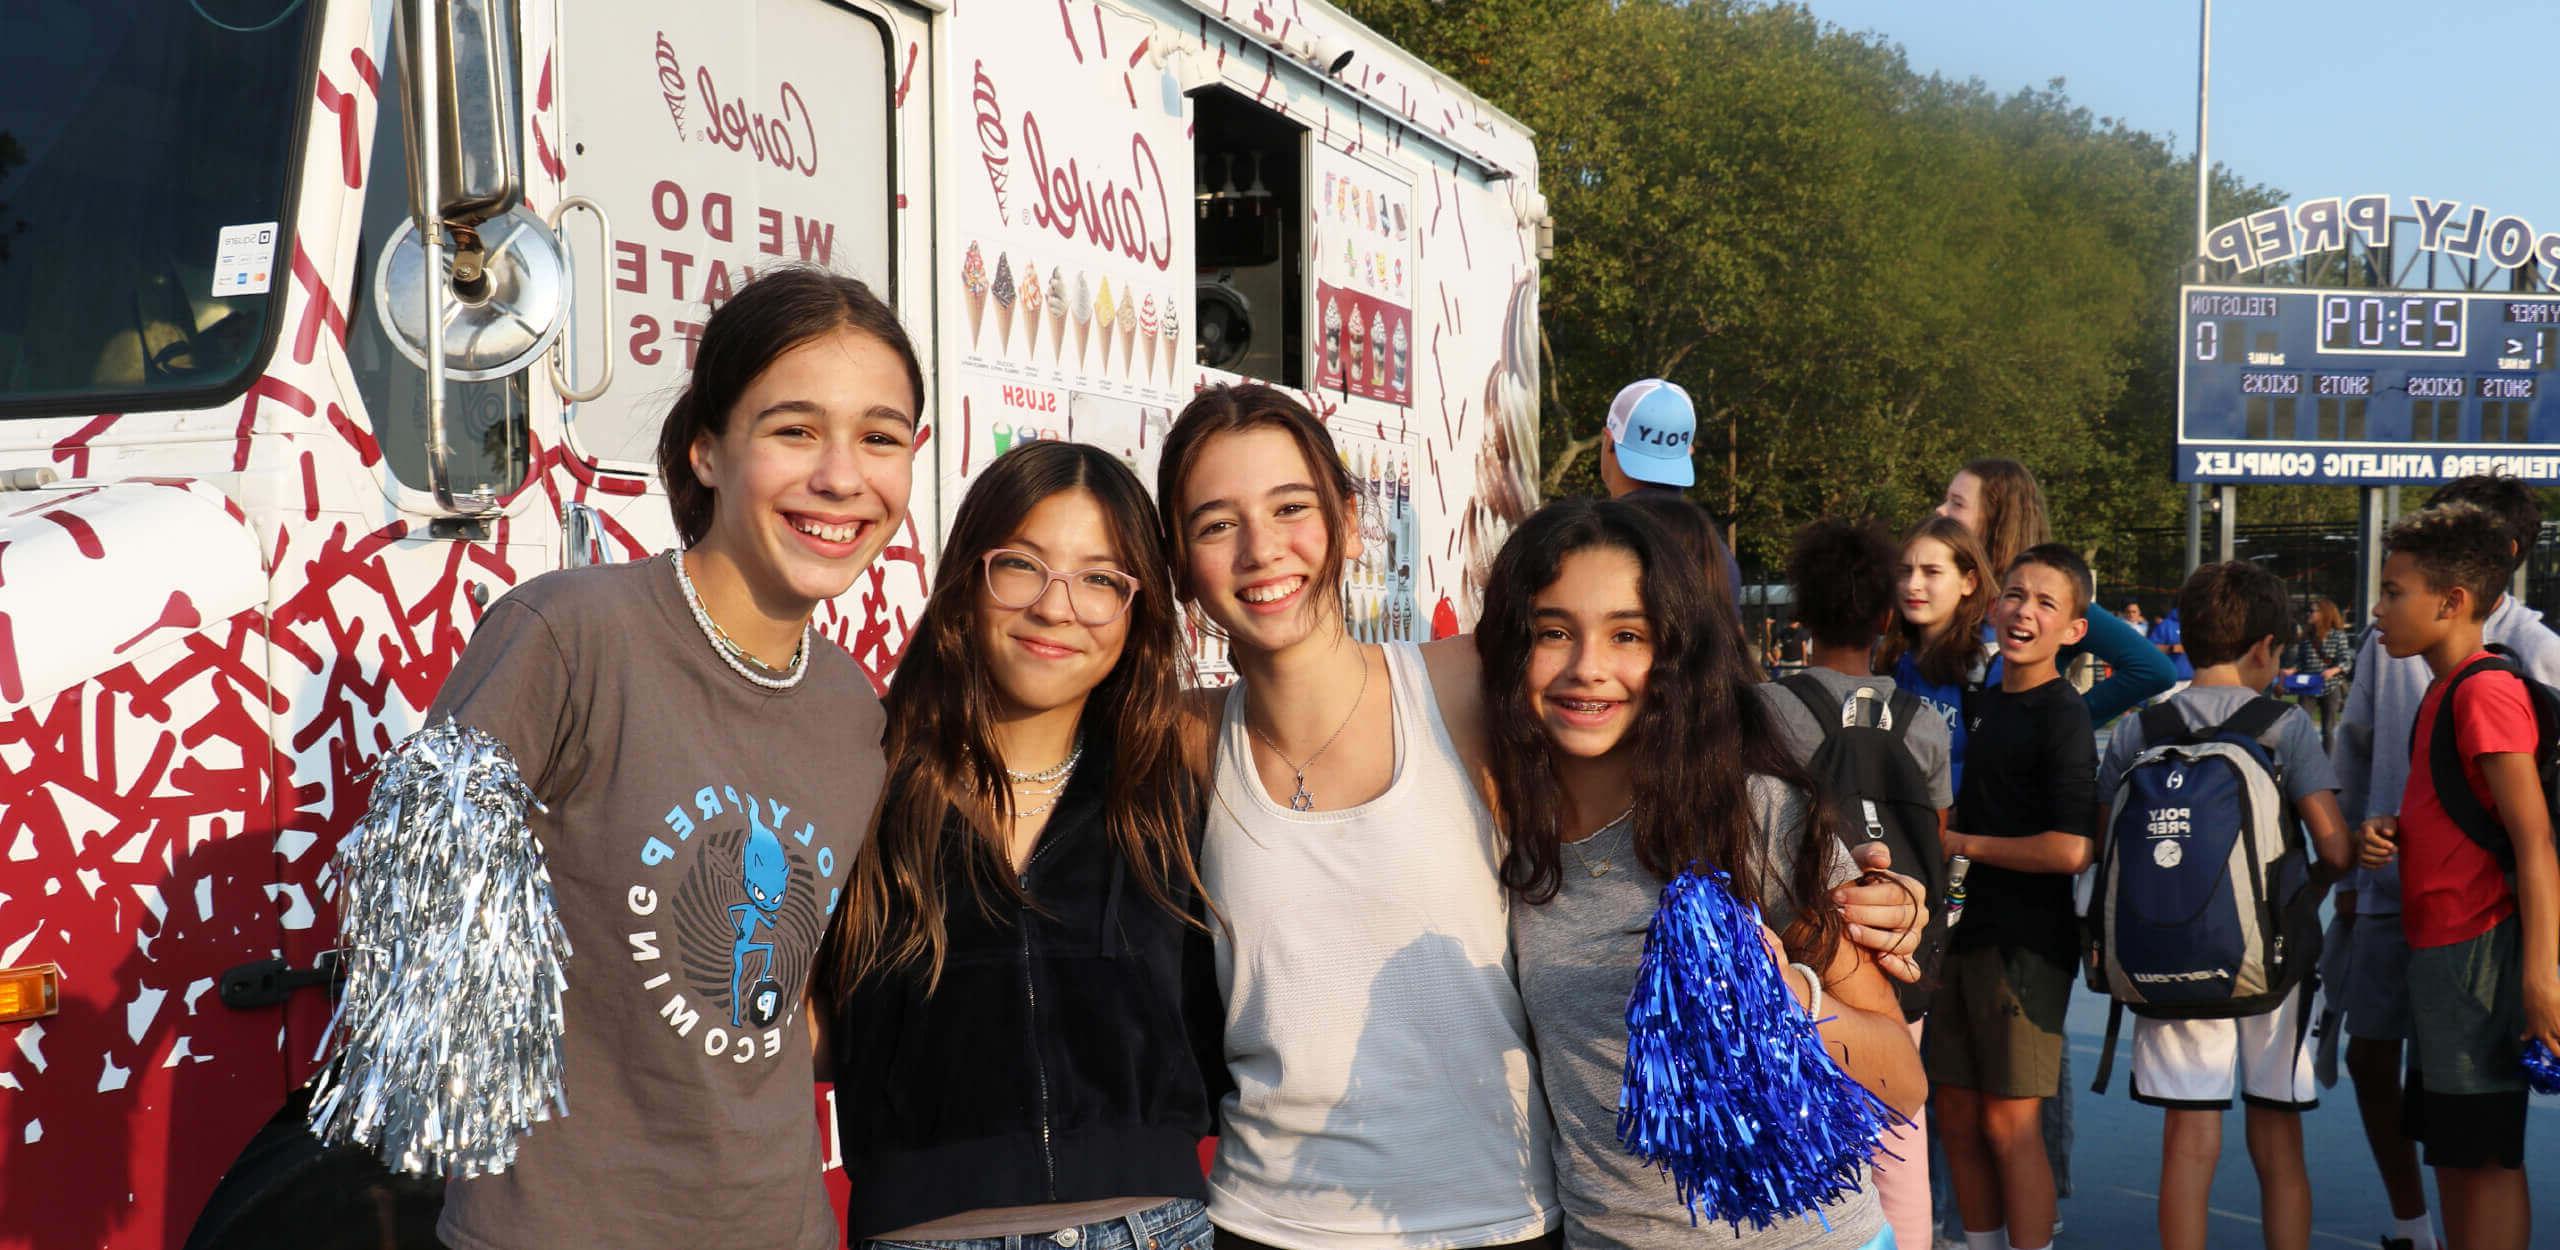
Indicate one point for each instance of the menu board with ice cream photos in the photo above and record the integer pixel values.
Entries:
(1071, 211)
(1360, 235)
(1378, 588)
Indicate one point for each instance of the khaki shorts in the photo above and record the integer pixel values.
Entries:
(1996, 1024)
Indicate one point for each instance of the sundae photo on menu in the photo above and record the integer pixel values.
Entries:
(1377, 347)
(1057, 314)
(1081, 307)
(1355, 343)
(1396, 380)
(1004, 294)
(1031, 312)
(1332, 337)
(973, 285)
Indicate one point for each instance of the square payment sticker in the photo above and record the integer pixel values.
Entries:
(243, 258)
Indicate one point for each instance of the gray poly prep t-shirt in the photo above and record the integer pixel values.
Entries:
(2306, 766)
(1926, 736)
(1577, 957)
(700, 831)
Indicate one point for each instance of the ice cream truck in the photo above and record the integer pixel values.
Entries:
(323, 323)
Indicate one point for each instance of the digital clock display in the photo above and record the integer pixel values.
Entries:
(2424, 324)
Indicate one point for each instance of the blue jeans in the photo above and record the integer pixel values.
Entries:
(1182, 1224)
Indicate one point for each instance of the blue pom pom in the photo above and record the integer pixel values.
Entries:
(1728, 1090)
(2541, 1068)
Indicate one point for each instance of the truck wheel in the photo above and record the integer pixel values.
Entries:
(288, 1192)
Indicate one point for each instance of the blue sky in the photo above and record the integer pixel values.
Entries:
(2369, 97)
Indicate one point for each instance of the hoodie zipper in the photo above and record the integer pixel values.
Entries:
(1031, 1025)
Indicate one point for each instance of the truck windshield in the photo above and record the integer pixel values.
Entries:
(145, 159)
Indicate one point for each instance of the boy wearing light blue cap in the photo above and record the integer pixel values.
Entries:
(1652, 426)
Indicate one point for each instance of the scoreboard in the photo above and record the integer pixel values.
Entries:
(2300, 384)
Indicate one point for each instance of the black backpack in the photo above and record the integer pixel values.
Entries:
(1866, 771)
(2444, 756)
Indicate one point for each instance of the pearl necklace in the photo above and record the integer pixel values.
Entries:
(746, 665)
(1049, 783)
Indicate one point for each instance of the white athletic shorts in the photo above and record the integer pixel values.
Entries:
(2192, 1065)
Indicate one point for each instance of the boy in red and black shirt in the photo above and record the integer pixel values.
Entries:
(2484, 967)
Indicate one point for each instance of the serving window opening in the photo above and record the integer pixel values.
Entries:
(1249, 198)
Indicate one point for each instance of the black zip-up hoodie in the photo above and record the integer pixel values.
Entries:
(1070, 1054)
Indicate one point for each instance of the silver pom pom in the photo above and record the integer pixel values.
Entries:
(450, 1024)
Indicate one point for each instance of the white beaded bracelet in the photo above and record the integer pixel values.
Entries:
(1813, 981)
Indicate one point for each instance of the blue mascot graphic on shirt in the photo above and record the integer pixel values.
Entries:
(764, 871)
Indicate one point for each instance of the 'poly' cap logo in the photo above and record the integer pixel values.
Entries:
(1651, 426)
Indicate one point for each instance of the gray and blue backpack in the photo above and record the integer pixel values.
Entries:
(2206, 902)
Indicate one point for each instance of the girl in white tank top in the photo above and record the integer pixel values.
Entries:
(1386, 1094)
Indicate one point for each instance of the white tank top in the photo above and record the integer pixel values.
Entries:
(1386, 1097)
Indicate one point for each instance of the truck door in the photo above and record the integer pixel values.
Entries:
(723, 140)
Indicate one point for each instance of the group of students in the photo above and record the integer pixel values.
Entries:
(1048, 916)
(2462, 964)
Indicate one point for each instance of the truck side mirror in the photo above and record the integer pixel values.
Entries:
(469, 96)
(475, 286)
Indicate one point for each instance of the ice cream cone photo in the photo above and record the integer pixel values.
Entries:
(1171, 340)
(1031, 301)
(1102, 310)
(1081, 308)
(1057, 315)
(1128, 319)
(1004, 293)
(1147, 335)
(973, 285)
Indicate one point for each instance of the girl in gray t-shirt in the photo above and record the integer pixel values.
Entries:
(1603, 652)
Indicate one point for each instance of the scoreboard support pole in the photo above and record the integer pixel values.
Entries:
(2227, 529)
(2195, 525)
(2371, 520)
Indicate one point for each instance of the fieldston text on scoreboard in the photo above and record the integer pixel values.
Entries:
(2366, 386)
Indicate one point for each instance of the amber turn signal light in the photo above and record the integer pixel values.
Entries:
(29, 993)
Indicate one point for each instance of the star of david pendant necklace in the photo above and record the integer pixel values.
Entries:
(1301, 799)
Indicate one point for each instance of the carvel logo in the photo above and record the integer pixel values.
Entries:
(784, 139)
(1110, 216)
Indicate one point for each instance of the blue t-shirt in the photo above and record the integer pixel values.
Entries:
(1944, 698)
(2165, 633)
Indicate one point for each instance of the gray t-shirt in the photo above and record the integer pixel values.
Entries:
(1577, 957)
(2306, 766)
(1926, 735)
(699, 831)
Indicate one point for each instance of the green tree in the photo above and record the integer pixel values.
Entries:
(1865, 274)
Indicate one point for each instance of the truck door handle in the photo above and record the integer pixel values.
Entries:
(268, 982)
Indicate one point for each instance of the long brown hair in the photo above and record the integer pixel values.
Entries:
(781, 309)
(2326, 619)
(2012, 508)
(941, 744)
(1254, 406)
(1699, 710)
(1950, 657)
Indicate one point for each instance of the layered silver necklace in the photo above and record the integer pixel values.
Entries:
(739, 658)
(1048, 783)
